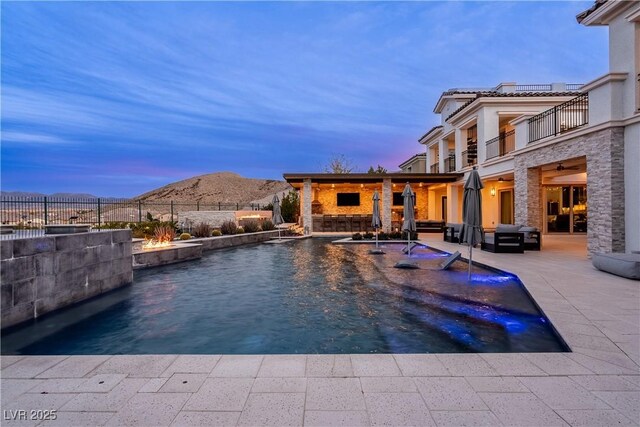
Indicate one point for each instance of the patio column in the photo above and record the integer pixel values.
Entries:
(307, 196)
(528, 196)
(387, 199)
(454, 210)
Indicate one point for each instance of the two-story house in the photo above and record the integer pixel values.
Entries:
(561, 157)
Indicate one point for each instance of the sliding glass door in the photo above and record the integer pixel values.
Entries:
(566, 209)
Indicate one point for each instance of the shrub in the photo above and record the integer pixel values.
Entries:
(164, 233)
(202, 230)
(368, 235)
(267, 225)
(414, 235)
(290, 206)
(216, 233)
(356, 236)
(239, 230)
(395, 235)
(146, 230)
(228, 227)
(383, 236)
(185, 236)
(251, 226)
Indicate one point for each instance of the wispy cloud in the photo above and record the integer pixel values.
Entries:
(259, 88)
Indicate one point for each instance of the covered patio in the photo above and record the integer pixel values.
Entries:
(343, 202)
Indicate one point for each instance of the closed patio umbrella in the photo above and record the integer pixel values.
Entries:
(376, 221)
(409, 223)
(276, 215)
(471, 231)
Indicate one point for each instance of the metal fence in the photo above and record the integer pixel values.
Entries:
(33, 213)
(561, 118)
(501, 144)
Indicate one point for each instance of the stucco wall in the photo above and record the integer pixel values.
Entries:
(42, 274)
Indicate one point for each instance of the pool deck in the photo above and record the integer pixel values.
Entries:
(597, 384)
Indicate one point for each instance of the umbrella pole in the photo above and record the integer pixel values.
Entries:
(279, 238)
(470, 258)
(409, 243)
(376, 237)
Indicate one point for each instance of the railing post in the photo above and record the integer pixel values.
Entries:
(172, 211)
(219, 206)
(139, 210)
(99, 212)
(555, 121)
(46, 211)
(198, 205)
(237, 206)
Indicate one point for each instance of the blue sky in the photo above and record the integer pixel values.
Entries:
(116, 99)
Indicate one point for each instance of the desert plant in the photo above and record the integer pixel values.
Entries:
(228, 227)
(239, 230)
(146, 230)
(202, 230)
(185, 236)
(267, 225)
(290, 207)
(356, 236)
(414, 235)
(368, 235)
(216, 233)
(251, 226)
(395, 235)
(164, 233)
(383, 236)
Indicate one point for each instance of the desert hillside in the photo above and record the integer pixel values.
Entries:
(224, 187)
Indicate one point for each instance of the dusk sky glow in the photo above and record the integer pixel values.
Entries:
(116, 99)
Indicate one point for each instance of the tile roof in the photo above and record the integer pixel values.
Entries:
(581, 16)
(429, 131)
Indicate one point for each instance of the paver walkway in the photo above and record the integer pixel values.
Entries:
(597, 384)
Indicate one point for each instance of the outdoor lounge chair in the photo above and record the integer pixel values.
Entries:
(623, 265)
(452, 233)
(506, 239)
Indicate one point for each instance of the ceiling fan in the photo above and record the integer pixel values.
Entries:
(560, 167)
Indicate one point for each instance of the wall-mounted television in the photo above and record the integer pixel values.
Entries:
(348, 199)
(398, 200)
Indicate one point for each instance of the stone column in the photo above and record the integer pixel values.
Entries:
(528, 195)
(387, 199)
(443, 153)
(307, 219)
(461, 145)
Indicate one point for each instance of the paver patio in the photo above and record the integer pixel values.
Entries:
(597, 384)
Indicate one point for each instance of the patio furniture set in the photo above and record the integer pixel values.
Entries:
(507, 238)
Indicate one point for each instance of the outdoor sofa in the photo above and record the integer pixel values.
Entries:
(452, 232)
(510, 238)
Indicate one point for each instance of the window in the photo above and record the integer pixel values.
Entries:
(348, 199)
(398, 200)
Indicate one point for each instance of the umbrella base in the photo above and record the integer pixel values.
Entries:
(406, 265)
(377, 252)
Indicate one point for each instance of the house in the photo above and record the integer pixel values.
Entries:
(415, 164)
(560, 157)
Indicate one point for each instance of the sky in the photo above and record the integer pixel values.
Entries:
(116, 99)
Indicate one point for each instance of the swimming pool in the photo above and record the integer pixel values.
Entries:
(308, 296)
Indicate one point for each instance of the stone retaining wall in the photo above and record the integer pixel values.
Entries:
(42, 274)
(162, 256)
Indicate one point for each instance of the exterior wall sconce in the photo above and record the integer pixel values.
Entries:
(333, 186)
(493, 191)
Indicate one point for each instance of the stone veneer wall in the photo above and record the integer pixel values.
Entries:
(604, 151)
(42, 274)
(210, 243)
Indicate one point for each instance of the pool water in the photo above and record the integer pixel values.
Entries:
(308, 296)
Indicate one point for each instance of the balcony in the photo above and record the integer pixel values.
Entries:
(470, 155)
(559, 119)
(435, 168)
(501, 144)
(450, 163)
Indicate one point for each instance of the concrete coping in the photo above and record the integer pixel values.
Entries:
(67, 228)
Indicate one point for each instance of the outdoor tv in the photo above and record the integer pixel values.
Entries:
(398, 200)
(348, 199)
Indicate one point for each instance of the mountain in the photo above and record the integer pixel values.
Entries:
(219, 187)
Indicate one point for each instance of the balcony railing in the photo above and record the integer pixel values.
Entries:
(435, 168)
(559, 119)
(574, 86)
(533, 88)
(450, 163)
(470, 156)
(501, 145)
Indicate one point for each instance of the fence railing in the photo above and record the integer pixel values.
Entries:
(561, 118)
(574, 86)
(501, 144)
(450, 163)
(533, 88)
(435, 168)
(36, 212)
